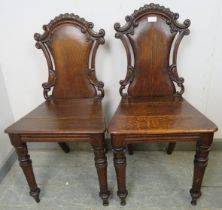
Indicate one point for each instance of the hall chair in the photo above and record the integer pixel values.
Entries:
(152, 108)
(72, 110)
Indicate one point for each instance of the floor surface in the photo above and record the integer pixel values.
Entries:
(155, 181)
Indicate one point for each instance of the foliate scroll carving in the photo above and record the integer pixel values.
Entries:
(87, 29)
(129, 78)
(175, 78)
(130, 69)
(99, 39)
(173, 67)
(128, 28)
(97, 84)
(171, 19)
(51, 72)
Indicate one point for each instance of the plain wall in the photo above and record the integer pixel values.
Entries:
(6, 118)
(24, 67)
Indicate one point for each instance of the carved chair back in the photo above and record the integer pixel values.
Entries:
(149, 36)
(70, 45)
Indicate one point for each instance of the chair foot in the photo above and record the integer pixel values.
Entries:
(35, 194)
(170, 148)
(64, 147)
(105, 198)
(195, 196)
(122, 196)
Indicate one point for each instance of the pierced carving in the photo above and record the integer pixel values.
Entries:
(130, 69)
(87, 29)
(175, 27)
(97, 84)
(175, 78)
(129, 78)
(173, 68)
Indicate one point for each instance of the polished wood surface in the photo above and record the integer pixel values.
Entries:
(70, 56)
(72, 111)
(158, 116)
(152, 108)
(71, 116)
(151, 45)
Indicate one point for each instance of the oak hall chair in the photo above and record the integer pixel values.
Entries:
(72, 111)
(152, 108)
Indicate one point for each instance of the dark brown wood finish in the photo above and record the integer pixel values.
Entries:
(72, 111)
(152, 108)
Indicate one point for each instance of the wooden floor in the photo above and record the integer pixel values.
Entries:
(69, 181)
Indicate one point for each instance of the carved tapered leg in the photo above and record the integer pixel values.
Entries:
(64, 147)
(170, 148)
(200, 163)
(26, 165)
(130, 149)
(98, 145)
(120, 167)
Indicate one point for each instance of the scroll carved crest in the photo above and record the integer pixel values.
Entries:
(87, 29)
(122, 32)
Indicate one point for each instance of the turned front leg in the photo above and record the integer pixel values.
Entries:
(119, 161)
(200, 163)
(98, 145)
(120, 167)
(26, 165)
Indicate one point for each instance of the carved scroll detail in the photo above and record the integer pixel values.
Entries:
(130, 69)
(87, 29)
(51, 72)
(97, 84)
(171, 19)
(173, 68)
(129, 78)
(175, 78)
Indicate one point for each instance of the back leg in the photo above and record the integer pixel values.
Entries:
(64, 147)
(130, 149)
(170, 148)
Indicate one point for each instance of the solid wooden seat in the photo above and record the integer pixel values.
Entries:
(152, 108)
(71, 116)
(72, 111)
(158, 116)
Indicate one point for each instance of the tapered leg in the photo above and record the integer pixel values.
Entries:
(200, 163)
(120, 167)
(98, 145)
(130, 149)
(170, 148)
(26, 165)
(64, 147)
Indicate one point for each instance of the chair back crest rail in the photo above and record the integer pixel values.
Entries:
(69, 44)
(149, 36)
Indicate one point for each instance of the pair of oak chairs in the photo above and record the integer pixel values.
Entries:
(151, 109)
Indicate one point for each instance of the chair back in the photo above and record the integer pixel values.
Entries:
(70, 45)
(149, 36)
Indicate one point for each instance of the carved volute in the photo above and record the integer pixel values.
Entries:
(148, 38)
(70, 45)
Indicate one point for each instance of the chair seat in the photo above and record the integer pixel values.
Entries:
(69, 116)
(158, 116)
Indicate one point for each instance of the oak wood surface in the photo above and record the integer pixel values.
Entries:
(158, 116)
(152, 108)
(71, 116)
(151, 43)
(72, 111)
